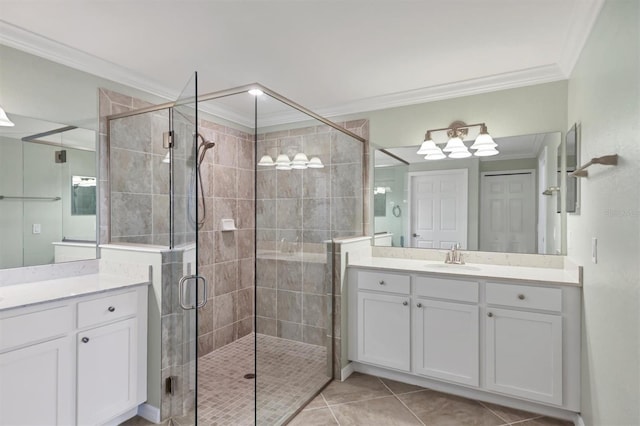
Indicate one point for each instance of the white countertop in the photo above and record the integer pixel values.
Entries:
(569, 276)
(20, 295)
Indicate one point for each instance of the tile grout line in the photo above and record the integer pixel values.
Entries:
(330, 410)
(507, 421)
(401, 402)
(526, 420)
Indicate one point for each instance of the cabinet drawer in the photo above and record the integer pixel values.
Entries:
(439, 288)
(34, 327)
(524, 296)
(106, 309)
(393, 283)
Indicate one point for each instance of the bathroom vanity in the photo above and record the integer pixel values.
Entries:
(73, 350)
(503, 334)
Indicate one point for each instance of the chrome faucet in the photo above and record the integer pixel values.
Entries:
(454, 257)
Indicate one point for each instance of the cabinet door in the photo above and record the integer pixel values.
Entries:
(36, 385)
(107, 371)
(446, 344)
(524, 354)
(384, 330)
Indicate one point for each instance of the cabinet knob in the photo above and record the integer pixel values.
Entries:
(381, 282)
(85, 340)
(521, 296)
(490, 314)
(405, 303)
(111, 309)
(419, 305)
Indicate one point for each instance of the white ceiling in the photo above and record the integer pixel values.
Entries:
(334, 57)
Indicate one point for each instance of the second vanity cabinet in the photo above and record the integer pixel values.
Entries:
(79, 361)
(499, 337)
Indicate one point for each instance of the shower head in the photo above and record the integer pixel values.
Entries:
(204, 146)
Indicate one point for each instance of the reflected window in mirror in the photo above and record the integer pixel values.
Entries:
(503, 200)
(44, 220)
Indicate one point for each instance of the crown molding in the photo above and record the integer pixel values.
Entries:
(585, 14)
(27, 41)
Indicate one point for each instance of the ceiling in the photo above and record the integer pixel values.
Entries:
(333, 56)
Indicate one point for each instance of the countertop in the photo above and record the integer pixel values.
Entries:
(560, 276)
(20, 295)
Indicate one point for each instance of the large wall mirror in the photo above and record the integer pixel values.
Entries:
(47, 193)
(502, 203)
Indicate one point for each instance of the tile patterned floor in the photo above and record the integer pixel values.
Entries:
(372, 401)
(288, 374)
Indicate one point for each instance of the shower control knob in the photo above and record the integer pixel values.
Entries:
(111, 309)
(405, 303)
(85, 340)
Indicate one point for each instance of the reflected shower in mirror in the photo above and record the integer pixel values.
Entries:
(493, 203)
(47, 193)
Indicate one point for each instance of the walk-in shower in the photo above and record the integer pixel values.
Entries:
(272, 307)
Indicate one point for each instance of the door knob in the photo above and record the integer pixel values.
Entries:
(405, 303)
(415, 235)
(490, 314)
(111, 309)
(381, 282)
(85, 340)
(419, 305)
(521, 296)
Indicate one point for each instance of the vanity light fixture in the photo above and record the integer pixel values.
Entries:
(300, 162)
(4, 120)
(484, 145)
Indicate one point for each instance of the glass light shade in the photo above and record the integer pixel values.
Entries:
(315, 163)
(4, 120)
(460, 154)
(454, 144)
(283, 160)
(300, 161)
(266, 161)
(486, 151)
(428, 147)
(483, 139)
(283, 167)
(435, 156)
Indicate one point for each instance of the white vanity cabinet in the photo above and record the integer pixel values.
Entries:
(77, 361)
(384, 316)
(524, 345)
(36, 367)
(446, 329)
(107, 357)
(461, 334)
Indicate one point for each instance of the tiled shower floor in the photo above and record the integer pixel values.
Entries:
(289, 373)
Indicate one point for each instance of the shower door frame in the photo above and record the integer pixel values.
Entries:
(230, 92)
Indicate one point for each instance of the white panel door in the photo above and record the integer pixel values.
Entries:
(36, 385)
(507, 213)
(438, 208)
(107, 371)
(446, 341)
(524, 354)
(384, 330)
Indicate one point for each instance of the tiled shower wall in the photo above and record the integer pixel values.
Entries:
(298, 213)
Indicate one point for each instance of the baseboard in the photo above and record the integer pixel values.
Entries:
(346, 372)
(578, 420)
(122, 418)
(149, 412)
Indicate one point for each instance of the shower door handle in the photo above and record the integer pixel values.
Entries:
(182, 287)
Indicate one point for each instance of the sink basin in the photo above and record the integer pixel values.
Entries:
(449, 266)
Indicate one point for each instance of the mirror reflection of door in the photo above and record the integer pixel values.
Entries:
(507, 212)
(438, 208)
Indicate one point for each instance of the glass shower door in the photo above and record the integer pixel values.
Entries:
(188, 288)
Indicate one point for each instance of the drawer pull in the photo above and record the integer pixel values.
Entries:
(419, 305)
(381, 282)
(405, 303)
(111, 309)
(85, 340)
(521, 296)
(490, 314)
